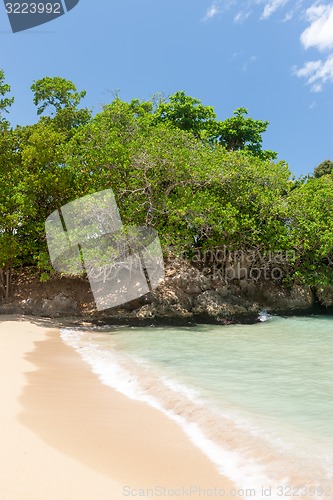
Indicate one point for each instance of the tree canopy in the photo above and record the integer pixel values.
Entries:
(324, 168)
(57, 92)
(5, 101)
(243, 133)
(201, 183)
(186, 113)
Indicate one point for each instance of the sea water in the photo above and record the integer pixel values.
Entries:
(257, 399)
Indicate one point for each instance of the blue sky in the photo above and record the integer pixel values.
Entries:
(274, 57)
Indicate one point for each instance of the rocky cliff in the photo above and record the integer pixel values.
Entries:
(186, 296)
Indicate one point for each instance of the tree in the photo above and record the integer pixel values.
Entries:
(44, 180)
(324, 168)
(148, 165)
(61, 95)
(8, 205)
(310, 227)
(5, 102)
(242, 133)
(57, 92)
(186, 113)
(167, 178)
(12, 206)
(201, 184)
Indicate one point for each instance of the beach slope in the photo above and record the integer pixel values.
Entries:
(65, 435)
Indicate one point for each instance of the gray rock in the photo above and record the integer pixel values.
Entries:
(59, 305)
(325, 295)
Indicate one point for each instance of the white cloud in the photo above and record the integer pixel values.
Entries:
(272, 6)
(316, 11)
(320, 32)
(317, 35)
(241, 16)
(244, 8)
(212, 11)
(317, 73)
(309, 68)
(293, 11)
(220, 6)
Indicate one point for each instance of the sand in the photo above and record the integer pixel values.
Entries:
(66, 436)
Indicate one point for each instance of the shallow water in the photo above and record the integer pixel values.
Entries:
(258, 399)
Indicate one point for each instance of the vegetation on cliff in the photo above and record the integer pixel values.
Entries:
(201, 183)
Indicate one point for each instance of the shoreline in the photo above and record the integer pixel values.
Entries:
(186, 297)
(93, 322)
(68, 436)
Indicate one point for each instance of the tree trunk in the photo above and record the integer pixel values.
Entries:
(5, 282)
(8, 281)
(2, 284)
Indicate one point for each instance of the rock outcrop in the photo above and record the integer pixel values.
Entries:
(186, 296)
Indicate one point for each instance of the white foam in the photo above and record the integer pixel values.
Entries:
(264, 316)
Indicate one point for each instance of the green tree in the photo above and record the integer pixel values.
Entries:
(61, 98)
(44, 180)
(5, 102)
(242, 133)
(180, 185)
(57, 92)
(9, 205)
(186, 113)
(168, 171)
(13, 206)
(310, 227)
(147, 165)
(324, 168)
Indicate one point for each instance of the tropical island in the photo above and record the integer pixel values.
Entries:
(239, 232)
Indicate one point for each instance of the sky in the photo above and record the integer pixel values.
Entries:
(273, 57)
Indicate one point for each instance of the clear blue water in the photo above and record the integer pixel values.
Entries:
(260, 394)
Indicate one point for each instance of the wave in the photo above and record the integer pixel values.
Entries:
(240, 449)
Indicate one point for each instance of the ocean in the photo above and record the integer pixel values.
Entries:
(256, 399)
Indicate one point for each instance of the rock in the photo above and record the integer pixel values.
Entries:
(288, 299)
(146, 311)
(209, 298)
(185, 296)
(59, 305)
(191, 281)
(223, 291)
(325, 295)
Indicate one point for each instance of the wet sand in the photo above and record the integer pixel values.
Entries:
(66, 436)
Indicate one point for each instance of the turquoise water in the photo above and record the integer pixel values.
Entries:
(258, 399)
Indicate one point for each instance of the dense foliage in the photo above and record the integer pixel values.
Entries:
(324, 168)
(201, 183)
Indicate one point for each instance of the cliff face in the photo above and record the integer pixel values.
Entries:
(187, 296)
(324, 296)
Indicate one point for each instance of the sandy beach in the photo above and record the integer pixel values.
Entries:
(65, 435)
